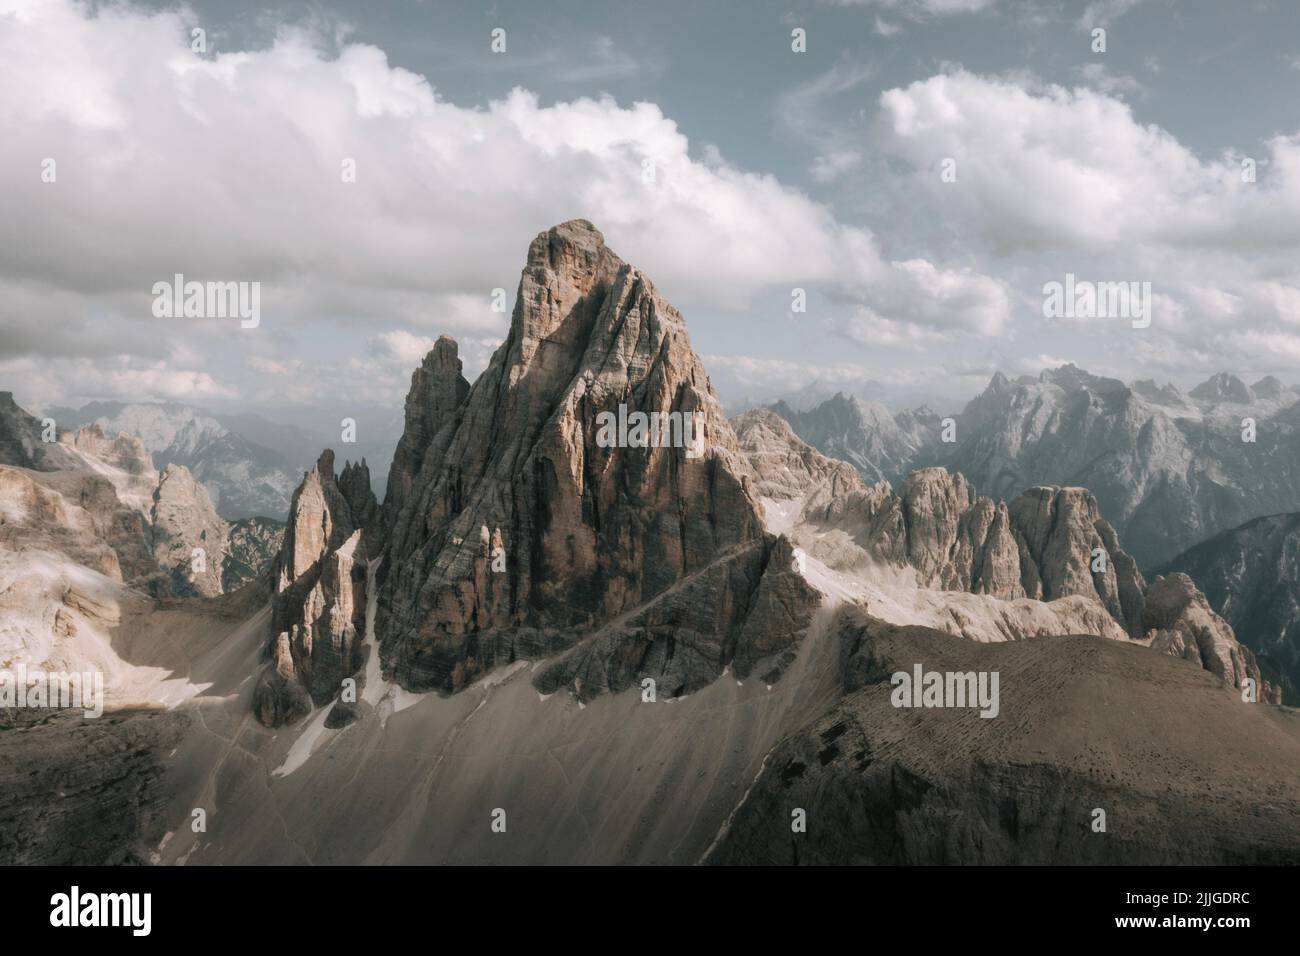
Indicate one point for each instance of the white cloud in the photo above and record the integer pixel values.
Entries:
(1064, 166)
(120, 377)
(1071, 176)
(918, 304)
(228, 167)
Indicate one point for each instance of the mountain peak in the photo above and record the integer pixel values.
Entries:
(1224, 387)
(567, 270)
(515, 521)
(1167, 394)
(1267, 387)
(1071, 378)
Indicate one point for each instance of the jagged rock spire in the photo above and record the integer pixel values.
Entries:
(318, 608)
(588, 532)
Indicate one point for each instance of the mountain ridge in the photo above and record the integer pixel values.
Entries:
(1168, 468)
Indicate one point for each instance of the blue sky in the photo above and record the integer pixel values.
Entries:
(776, 170)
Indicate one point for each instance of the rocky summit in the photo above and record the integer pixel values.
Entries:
(512, 531)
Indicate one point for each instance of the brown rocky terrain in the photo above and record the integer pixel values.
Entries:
(152, 523)
(722, 620)
(88, 792)
(183, 523)
(1043, 546)
(1084, 725)
(21, 440)
(511, 530)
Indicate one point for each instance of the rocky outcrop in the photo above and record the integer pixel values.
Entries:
(23, 440)
(785, 467)
(1179, 621)
(1251, 576)
(1072, 550)
(62, 517)
(123, 460)
(249, 466)
(189, 540)
(1049, 544)
(318, 605)
(1044, 545)
(252, 545)
(520, 523)
(1177, 768)
(438, 390)
(1168, 469)
(163, 530)
(524, 527)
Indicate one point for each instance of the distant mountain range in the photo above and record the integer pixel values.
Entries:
(1169, 469)
(248, 465)
(880, 446)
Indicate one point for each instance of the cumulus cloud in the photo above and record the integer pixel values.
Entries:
(953, 302)
(234, 166)
(1073, 176)
(1074, 166)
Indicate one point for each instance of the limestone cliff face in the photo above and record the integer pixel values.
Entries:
(22, 441)
(1181, 622)
(189, 539)
(1072, 550)
(520, 531)
(1047, 544)
(318, 605)
(123, 459)
(438, 389)
(784, 466)
(1044, 545)
(518, 523)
